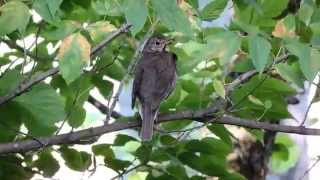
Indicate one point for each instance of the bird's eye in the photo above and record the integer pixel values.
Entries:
(157, 43)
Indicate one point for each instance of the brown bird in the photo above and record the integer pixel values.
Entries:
(155, 79)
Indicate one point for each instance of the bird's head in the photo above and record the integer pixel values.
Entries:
(156, 44)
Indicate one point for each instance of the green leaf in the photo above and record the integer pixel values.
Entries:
(308, 58)
(273, 8)
(10, 117)
(209, 146)
(219, 88)
(122, 139)
(207, 164)
(222, 45)
(76, 160)
(136, 13)
(76, 116)
(105, 87)
(291, 73)
(305, 13)
(11, 169)
(107, 7)
(264, 89)
(48, 9)
(14, 16)
(143, 153)
(9, 81)
(100, 30)
(177, 170)
(62, 30)
(213, 10)
(259, 50)
(280, 161)
(172, 16)
(220, 131)
(255, 100)
(74, 52)
(43, 104)
(103, 150)
(47, 164)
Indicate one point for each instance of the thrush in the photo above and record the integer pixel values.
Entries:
(154, 80)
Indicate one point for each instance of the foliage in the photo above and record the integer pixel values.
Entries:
(260, 34)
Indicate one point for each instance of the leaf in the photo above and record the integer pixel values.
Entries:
(47, 164)
(264, 89)
(220, 131)
(103, 150)
(291, 73)
(77, 116)
(10, 117)
(255, 100)
(273, 8)
(14, 16)
(285, 27)
(76, 160)
(177, 170)
(172, 16)
(62, 30)
(11, 168)
(143, 153)
(74, 52)
(48, 9)
(213, 10)
(286, 156)
(308, 58)
(136, 13)
(43, 104)
(107, 7)
(207, 164)
(9, 81)
(100, 30)
(122, 139)
(259, 50)
(219, 88)
(210, 145)
(305, 13)
(222, 45)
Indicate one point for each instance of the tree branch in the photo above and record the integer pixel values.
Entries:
(25, 86)
(102, 108)
(75, 137)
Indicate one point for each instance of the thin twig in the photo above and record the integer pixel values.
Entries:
(309, 169)
(126, 171)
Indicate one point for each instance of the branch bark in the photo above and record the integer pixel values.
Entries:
(75, 137)
(25, 86)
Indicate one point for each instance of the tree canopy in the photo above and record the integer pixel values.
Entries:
(55, 52)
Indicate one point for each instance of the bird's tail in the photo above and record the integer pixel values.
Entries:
(147, 123)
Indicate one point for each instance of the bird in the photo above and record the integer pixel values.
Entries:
(154, 80)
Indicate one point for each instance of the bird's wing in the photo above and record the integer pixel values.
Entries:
(136, 83)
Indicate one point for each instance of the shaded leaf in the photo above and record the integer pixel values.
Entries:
(136, 14)
(48, 9)
(47, 164)
(213, 10)
(259, 50)
(43, 104)
(74, 52)
(172, 16)
(76, 160)
(14, 16)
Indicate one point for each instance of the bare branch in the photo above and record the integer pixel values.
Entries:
(75, 137)
(101, 107)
